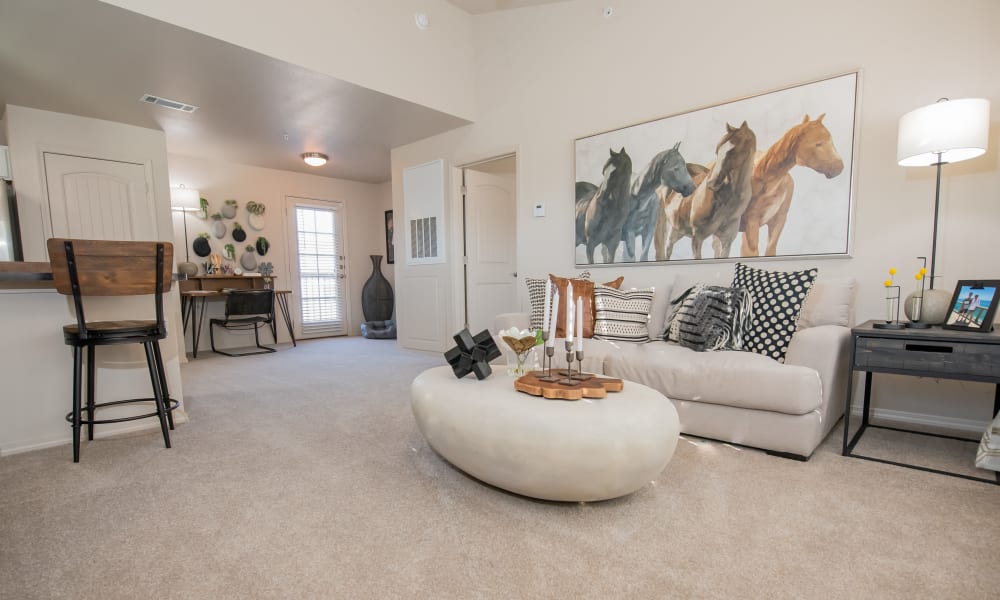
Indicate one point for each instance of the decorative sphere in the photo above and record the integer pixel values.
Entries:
(187, 268)
(934, 309)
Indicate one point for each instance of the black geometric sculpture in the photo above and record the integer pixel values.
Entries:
(472, 354)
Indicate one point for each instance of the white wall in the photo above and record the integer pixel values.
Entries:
(550, 74)
(217, 181)
(373, 43)
(35, 365)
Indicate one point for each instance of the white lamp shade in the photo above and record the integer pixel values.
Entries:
(185, 199)
(956, 129)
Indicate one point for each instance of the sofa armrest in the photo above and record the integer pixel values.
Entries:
(825, 349)
(521, 320)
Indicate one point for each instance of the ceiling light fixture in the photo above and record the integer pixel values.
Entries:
(422, 20)
(315, 159)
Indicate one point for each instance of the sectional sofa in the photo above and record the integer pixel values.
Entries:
(741, 397)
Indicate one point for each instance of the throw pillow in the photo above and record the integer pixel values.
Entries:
(621, 315)
(829, 302)
(712, 317)
(777, 300)
(657, 324)
(582, 288)
(536, 298)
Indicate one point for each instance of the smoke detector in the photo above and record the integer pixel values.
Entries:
(167, 103)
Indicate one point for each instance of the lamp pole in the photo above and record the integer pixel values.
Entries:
(937, 205)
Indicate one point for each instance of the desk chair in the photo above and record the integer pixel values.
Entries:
(109, 268)
(246, 309)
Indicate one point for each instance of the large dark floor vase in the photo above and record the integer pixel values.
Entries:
(376, 296)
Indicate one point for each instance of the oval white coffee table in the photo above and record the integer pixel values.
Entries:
(581, 450)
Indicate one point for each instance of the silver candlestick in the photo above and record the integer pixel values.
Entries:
(549, 352)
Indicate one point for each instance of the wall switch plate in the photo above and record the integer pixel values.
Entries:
(539, 210)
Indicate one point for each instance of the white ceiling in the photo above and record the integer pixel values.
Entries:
(478, 7)
(87, 58)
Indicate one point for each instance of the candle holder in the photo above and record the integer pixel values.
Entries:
(549, 352)
(571, 377)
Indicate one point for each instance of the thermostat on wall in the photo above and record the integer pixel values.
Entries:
(539, 210)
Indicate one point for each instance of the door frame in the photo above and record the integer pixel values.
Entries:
(460, 291)
(292, 259)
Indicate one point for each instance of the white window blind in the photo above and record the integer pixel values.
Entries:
(322, 279)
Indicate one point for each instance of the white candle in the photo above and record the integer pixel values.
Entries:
(579, 324)
(569, 312)
(555, 317)
(545, 311)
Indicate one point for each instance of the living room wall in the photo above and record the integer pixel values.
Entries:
(217, 181)
(553, 73)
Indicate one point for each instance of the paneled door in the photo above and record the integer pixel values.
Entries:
(490, 247)
(98, 199)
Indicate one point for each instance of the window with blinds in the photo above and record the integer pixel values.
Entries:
(322, 279)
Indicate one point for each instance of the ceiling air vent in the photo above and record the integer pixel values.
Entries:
(167, 103)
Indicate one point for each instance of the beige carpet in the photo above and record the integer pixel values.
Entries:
(302, 475)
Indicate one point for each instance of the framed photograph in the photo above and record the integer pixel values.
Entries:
(390, 255)
(973, 306)
(769, 175)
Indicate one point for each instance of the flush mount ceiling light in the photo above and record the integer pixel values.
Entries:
(422, 20)
(315, 159)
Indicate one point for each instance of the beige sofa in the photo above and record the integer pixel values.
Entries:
(740, 397)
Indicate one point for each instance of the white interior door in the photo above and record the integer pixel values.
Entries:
(490, 247)
(98, 199)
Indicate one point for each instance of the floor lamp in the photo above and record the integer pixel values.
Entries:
(185, 200)
(947, 131)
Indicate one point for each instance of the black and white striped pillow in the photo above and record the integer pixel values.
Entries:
(621, 315)
(536, 297)
(712, 317)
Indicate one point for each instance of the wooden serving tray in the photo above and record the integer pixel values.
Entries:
(595, 387)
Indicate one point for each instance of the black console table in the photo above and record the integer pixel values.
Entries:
(934, 352)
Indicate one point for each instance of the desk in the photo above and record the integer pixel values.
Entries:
(191, 312)
(935, 352)
(220, 282)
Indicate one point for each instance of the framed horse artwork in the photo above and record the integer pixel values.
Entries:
(769, 175)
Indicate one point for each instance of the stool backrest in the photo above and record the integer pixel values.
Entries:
(111, 268)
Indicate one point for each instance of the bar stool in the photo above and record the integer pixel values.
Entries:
(111, 268)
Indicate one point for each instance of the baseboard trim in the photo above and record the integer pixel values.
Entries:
(21, 447)
(901, 417)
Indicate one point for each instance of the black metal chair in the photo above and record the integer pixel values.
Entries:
(109, 268)
(246, 309)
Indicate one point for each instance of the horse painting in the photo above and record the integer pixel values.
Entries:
(808, 144)
(667, 170)
(605, 212)
(718, 203)
(674, 220)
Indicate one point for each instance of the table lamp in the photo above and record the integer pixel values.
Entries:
(944, 132)
(185, 200)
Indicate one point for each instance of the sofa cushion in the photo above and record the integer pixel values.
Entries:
(657, 325)
(536, 298)
(622, 314)
(777, 300)
(583, 289)
(731, 378)
(712, 318)
(829, 302)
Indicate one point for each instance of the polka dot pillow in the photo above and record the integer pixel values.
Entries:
(777, 300)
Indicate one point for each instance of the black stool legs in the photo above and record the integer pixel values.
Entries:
(154, 376)
(157, 377)
(77, 384)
